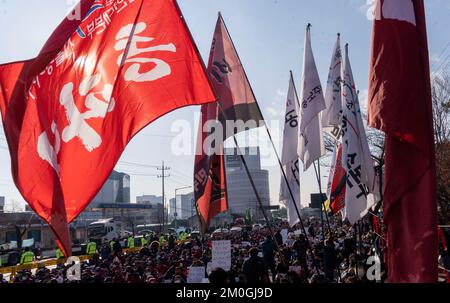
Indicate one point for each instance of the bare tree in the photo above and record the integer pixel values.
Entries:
(441, 118)
(22, 225)
(441, 107)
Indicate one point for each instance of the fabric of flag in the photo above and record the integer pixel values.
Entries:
(356, 157)
(332, 170)
(331, 121)
(69, 113)
(290, 159)
(338, 184)
(311, 145)
(231, 84)
(209, 172)
(400, 104)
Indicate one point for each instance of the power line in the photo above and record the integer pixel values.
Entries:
(127, 163)
(140, 175)
(181, 173)
(158, 136)
(178, 182)
(444, 62)
(443, 52)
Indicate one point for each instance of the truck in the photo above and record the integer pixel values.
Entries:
(105, 230)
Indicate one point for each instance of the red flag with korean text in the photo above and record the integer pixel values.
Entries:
(69, 113)
(400, 105)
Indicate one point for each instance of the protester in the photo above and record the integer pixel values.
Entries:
(163, 259)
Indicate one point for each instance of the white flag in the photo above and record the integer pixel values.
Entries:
(331, 116)
(311, 145)
(290, 155)
(291, 126)
(293, 175)
(356, 157)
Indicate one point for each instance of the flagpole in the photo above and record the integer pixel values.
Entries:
(270, 136)
(317, 171)
(252, 183)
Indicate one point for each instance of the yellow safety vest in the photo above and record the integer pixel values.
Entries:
(143, 242)
(27, 257)
(130, 242)
(91, 248)
(59, 254)
(162, 240)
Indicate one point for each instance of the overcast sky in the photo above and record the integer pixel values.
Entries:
(269, 36)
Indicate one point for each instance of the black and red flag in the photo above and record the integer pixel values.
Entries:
(237, 105)
(338, 184)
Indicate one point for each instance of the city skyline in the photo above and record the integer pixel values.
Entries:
(268, 53)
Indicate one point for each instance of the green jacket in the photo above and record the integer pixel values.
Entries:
(59, 254)
(27, 257)
(91, 248)
(130, 242)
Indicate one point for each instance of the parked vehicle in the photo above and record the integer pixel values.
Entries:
(106, 230)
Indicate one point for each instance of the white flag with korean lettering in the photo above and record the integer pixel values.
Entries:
(356, 156)
(332, 114)
(311, 145)
(290, 156)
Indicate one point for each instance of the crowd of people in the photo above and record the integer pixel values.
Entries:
(349, 254)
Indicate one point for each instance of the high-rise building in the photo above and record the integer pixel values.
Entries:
(241, 196)
(172, 208)
(149, 200)
(2, 204)
(115, 190)
(183, 207)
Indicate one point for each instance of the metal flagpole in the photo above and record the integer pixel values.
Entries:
(252, 183)
(270, 137)
(317, 171)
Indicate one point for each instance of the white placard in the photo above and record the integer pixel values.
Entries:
(296, 269)
(196, 274)
(284, 235)
(221, 254)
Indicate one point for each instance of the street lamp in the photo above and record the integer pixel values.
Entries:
(176, 213)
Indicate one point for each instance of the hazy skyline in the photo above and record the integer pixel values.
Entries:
(269, 36)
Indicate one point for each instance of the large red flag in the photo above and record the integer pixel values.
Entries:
(238, 105)
(69, 114)
(400, 105)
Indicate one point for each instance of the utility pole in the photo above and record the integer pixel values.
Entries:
(163, 175)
